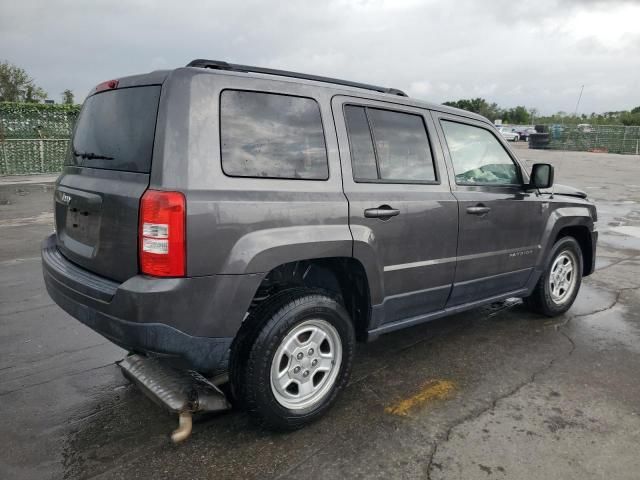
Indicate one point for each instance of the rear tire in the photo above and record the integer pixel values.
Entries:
(293, 359)
(560, 282)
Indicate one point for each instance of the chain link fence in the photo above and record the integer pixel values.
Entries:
(23, 156)
(34, 138)
(597, 138)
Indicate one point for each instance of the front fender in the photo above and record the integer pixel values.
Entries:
(263, 250)
(562, 217)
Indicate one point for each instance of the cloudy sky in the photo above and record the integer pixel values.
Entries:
(513, 52)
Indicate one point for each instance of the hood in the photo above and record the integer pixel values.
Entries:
(558, 189)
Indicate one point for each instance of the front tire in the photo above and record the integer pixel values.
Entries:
(559, 284)
(297, 360)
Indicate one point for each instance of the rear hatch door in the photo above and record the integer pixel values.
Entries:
(107, 170)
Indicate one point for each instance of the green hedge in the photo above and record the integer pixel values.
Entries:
(24, 157)
(34, 137)
(36, 120)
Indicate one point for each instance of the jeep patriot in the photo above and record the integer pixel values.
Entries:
(227, 218)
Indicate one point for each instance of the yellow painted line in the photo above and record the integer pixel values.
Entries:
(432, 390)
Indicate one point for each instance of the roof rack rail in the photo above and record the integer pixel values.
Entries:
(220, 65)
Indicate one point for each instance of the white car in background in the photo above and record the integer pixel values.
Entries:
(508, 134)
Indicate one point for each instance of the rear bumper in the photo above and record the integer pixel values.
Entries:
(176, 317)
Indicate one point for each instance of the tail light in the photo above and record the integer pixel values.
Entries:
(162, 234)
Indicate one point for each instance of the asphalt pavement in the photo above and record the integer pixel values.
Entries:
(493, 393)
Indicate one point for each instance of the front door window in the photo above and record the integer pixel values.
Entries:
(478, 157)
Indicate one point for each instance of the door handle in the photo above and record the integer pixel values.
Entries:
(478, 210)
(383, 211)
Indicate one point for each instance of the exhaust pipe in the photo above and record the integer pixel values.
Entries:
(184, 428)
(184, 392)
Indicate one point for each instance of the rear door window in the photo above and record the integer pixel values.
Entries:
(388, 146)
(268, 135)
(115, 130)
(363, 157)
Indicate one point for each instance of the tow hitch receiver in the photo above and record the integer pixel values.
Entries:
(184, 392)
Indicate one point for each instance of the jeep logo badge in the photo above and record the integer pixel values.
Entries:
(65, 198)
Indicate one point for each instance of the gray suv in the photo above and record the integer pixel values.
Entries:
(228, 218)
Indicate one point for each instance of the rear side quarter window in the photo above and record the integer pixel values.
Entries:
(268, 135)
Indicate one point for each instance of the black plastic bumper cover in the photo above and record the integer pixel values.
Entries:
(86, 297)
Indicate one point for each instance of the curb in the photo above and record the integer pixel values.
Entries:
(28, 179)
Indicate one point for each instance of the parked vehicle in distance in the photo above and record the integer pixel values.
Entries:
(229, 218)
(524, 132)
(585, 128)
(508, 134)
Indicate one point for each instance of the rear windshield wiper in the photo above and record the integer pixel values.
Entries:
(91, 155)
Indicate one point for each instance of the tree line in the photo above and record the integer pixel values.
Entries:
(522, 115)
(17, 86)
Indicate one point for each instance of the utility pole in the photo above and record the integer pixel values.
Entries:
(575, 114)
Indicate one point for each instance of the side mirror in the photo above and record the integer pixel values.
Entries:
(541, 175)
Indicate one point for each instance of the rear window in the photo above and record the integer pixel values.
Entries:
(115, 130)
(270, 135)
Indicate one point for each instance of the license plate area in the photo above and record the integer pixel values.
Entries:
(80, 226)
(78, 213)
